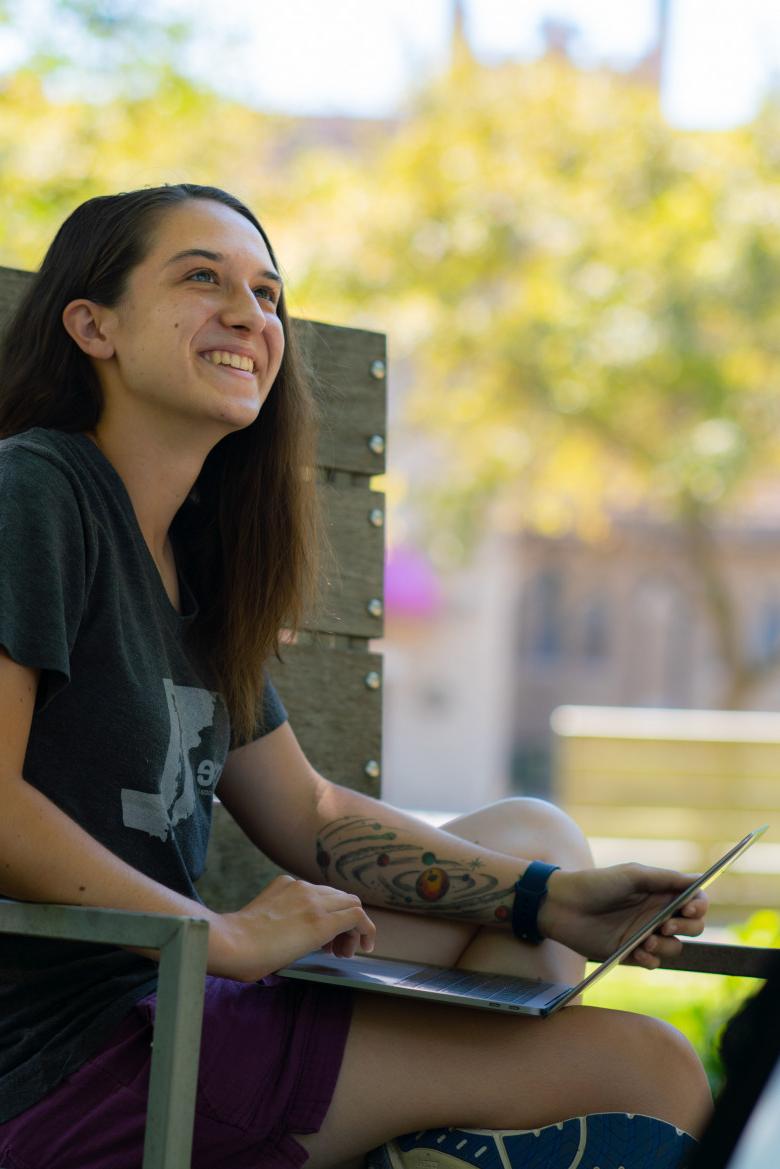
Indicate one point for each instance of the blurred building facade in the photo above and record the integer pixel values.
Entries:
(533, 623)
(449, 681)
(625, 622)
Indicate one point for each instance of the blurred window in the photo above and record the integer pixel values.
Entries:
(547, 610)
(434, 698)
(661, 656)
(769, 629)
(595, 631)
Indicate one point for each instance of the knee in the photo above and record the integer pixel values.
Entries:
(537, 830)
(657, 1043)
(674, 1085)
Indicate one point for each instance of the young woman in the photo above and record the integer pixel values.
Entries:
(156, 527)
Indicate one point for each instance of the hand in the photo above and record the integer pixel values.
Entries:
(288, 919)
(595, 910)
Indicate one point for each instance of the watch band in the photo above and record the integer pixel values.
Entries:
(530, 892)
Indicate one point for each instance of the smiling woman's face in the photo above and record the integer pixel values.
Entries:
(196, 337)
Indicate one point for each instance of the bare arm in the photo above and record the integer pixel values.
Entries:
(46, 856)
(396, 861)
(390, 859)
(335, 835)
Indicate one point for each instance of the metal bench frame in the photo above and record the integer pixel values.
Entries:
(182, 943)
(721, 958)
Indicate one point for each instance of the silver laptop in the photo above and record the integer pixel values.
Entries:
(496, 992)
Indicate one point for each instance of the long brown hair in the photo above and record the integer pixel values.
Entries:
(249, 530)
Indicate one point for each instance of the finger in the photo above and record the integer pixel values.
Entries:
(349, 943)
(689, 927)
(345, 945)
(642, 957)
(354, 919)
(368, 935)
(697, 906)
(665, 947)
(654, 949)
(643, 953)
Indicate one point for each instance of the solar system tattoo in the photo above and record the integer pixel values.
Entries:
(362, 851)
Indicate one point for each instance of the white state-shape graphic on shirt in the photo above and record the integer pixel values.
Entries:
(191, 711)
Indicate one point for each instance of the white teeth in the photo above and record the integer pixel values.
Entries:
(235, 360)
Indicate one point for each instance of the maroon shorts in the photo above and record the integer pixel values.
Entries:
(270, 1057)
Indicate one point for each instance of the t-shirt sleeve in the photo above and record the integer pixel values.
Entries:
(271, 714)
(42, 567)
(272, 711)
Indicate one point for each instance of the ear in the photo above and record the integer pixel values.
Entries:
(87, 323)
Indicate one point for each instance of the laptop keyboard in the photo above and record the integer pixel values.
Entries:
(498, 987)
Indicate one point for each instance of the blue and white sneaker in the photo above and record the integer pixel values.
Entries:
(604, 1140)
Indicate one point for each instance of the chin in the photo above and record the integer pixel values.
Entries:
(239, 415)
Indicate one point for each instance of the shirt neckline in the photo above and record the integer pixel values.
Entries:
(189, 605)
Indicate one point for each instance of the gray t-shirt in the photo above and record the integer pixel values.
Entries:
(128, 736)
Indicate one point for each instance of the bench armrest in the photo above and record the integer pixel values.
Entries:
(721, 958)
(182, 942)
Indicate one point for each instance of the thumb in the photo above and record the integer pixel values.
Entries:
(653, 880)
(672, 884)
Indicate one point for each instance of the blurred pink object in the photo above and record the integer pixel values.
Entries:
(412, 588)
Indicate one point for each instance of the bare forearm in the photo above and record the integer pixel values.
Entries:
(388, 858)
(391, 859)
(48, 857)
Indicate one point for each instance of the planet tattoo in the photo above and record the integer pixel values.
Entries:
(432, 884)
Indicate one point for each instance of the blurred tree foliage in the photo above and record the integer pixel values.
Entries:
(584, 299)
(108, 45)
(591, 301)
(575, 279)
(55, 154)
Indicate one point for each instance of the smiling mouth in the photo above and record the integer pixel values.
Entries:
(232, 360)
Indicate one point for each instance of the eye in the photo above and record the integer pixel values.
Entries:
(264, 292)
(203, 276)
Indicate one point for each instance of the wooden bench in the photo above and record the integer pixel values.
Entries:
(330, 680)
(676, 787)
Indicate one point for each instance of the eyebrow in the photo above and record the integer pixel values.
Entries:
(268, 274)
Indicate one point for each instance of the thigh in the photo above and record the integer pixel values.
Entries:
(410, 1066)
(269, 1061)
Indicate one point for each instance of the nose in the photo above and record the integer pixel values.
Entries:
(242, 311)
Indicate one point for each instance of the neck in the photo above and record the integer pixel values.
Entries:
(158, 471)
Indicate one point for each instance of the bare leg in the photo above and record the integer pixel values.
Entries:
(408, 1066)
(526, 828)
